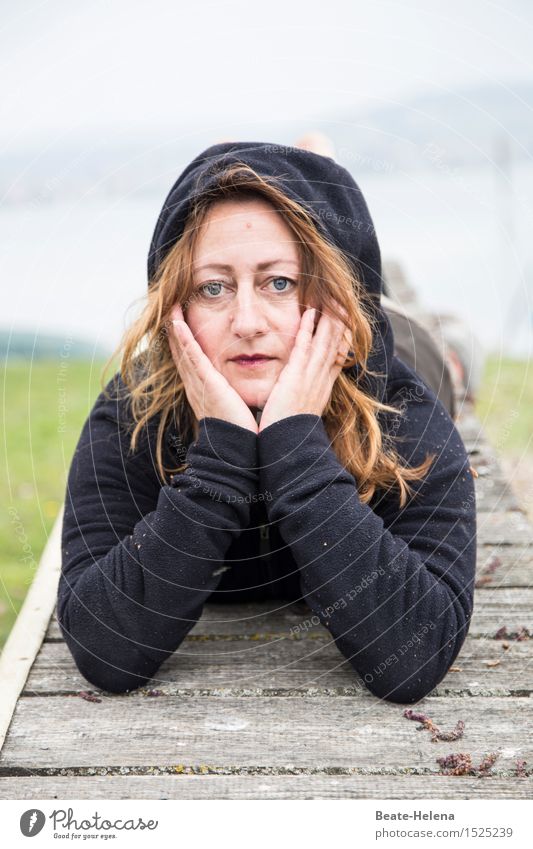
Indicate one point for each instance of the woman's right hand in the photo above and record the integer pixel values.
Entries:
(208, 392)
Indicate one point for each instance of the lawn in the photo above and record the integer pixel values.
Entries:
(47, 402)
(505, 406)
(45, 405)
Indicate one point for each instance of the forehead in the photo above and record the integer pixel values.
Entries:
(243, 213)
(233, 228)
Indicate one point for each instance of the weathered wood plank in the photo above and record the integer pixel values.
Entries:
(493, 608)
(125, 731)
(506, 565)
(484, 459)
(275, 664)
(466, 417)
(266, 787)
(482, 453)
(30, 627)
(496, 607)
(496, 528)
(474, 444)
(494, 489)
(495, 494)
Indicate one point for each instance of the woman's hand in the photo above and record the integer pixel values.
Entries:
(305, 383)
(208, 392)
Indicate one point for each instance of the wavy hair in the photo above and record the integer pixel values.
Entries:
(351, 418)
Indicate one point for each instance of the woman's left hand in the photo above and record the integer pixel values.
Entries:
(305, 383)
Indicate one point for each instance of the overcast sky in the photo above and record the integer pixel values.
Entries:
(71, 67)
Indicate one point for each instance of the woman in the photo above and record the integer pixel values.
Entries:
(327, 471)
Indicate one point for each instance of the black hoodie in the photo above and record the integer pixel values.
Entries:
(273, 515)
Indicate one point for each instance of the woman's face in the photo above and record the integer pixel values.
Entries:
(246, 297)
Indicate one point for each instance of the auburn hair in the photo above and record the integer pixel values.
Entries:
(351, 418)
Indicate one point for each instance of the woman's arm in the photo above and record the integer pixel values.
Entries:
(395, 589)
(140, 559)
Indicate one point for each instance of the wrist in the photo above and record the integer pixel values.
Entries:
(231, 443)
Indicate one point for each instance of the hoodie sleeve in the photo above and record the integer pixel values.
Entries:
(140, 559)
(393, 586)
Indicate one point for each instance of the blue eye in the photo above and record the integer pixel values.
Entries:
(206, 289)
(211, 283)
(286, 279)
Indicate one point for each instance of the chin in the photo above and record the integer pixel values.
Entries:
(255, 397)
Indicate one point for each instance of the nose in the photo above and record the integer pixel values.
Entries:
(247, 317)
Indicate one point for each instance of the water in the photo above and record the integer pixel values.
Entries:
(76, 267)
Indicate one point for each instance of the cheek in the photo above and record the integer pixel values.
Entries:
(290, 331)
(207, 333)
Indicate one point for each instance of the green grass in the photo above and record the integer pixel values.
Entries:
(39, 442)
(505, 406)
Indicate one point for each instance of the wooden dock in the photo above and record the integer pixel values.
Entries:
(251, 707)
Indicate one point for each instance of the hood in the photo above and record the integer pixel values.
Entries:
(329, 194)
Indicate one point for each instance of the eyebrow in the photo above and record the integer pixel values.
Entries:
(259, 267)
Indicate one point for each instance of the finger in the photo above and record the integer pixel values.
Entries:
(178, 351)
(181, 341)
(331, 336)
(341, 357)
(180, 338)
(342, 337)
(177, 312)
(304, 337)
(189, 366)
(197, 360)
(342, 329)
(305, 330)
(330, 327)
(345, 351)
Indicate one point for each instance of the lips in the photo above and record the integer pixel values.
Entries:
(252, 357)
(256, 361)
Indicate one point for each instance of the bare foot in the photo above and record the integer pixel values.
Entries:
(316, 142)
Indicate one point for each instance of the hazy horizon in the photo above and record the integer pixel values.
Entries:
(104, 104)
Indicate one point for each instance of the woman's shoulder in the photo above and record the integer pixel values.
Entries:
(110, 423)
(114, 403)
